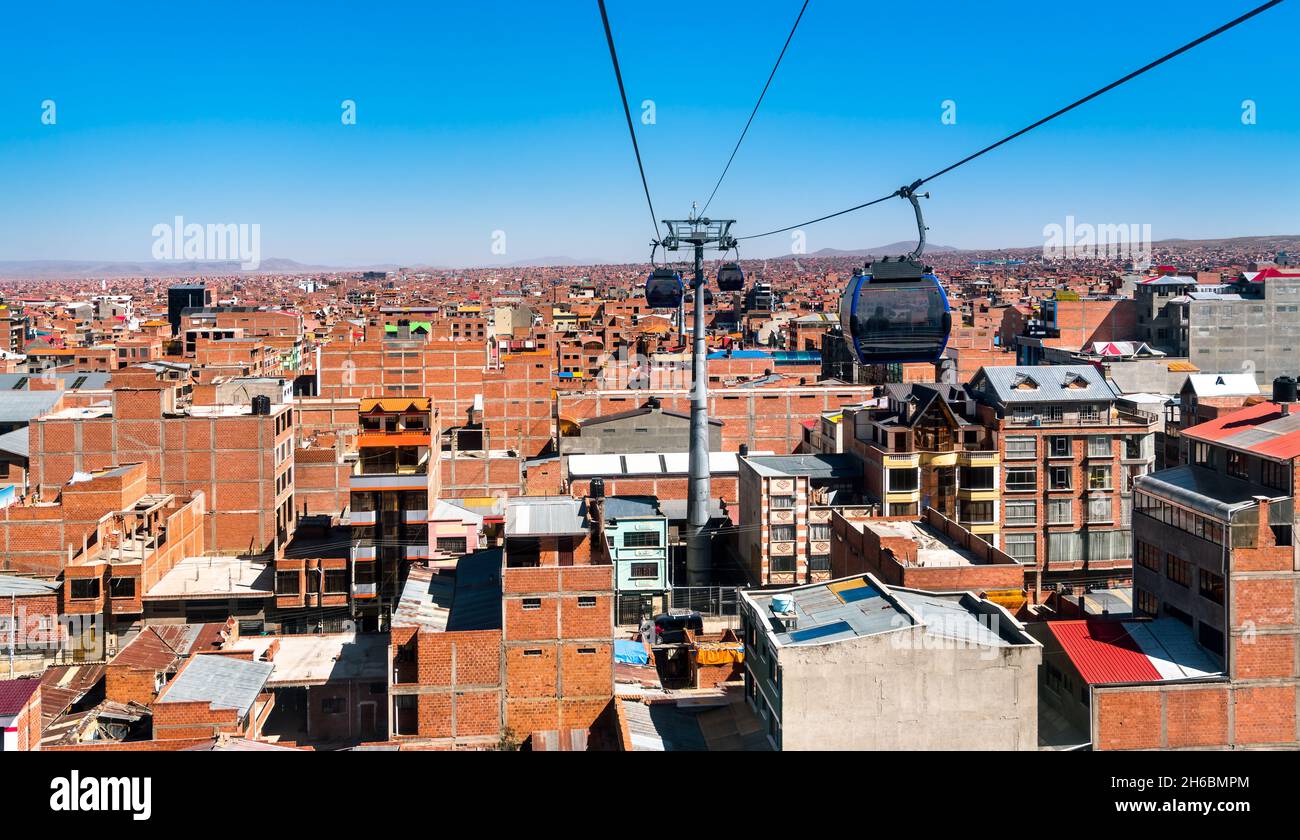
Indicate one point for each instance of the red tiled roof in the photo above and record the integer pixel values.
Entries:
(1285, 442)
(1103, 651)
(14, 694)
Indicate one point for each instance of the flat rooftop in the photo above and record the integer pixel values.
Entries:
(215, 577)
(933, 548)
(317, 659)
(859, 606)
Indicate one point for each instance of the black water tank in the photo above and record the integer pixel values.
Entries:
(1284, 390)
(598, 488)
(744, 450)
(261, 404)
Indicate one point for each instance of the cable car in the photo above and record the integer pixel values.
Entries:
(897, 311)
(731, 278)
(664, 288)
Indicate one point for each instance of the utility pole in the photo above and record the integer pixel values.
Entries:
(698, 234)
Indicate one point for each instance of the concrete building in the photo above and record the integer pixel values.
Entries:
(855, 664)
(785, 514)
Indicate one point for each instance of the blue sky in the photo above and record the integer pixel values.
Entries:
(485, 116)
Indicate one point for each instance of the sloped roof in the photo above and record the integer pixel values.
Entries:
(1049, 383)
(220, 681)
(14, 694)
(1260, 429)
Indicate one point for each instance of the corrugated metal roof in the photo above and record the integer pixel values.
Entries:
(16, 442)
(813, 466)
(20, 586)
(220, 681)
(1103, 651)
(538, 516)
(14, 695)
(1261, 429)
(1053, 383)
(24, 406)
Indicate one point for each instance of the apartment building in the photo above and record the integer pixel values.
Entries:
(394, 485)
(924, 447)
(636, 537)
(239, 456)
(785, 514)
(1070, 454)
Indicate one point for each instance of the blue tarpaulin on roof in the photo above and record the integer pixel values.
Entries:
(630, 653)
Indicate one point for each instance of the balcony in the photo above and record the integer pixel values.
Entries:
(388, 481)
(362, 517)
(365, 590)
(363, 552)
(415, 517)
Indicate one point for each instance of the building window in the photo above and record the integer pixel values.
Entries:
(1060, 478)
(643, 571)
(121, 587)
(977, 513)
(1099, 447)
(819, 563)
(1203, 455)
(586, 600)
(1099, 477)
(1022, 479)
(1178, 570)
(977, 478)
(533, 652)
(453, 545)
(1237, 466)
(1060, 511)
(782, 533)
(1061, 447)
(1099, 510)
(903, 481)
(1148, 556)
(903, 508)
(781, 564)
(1023, 548)
(1275, 475)
(641, 539)
(333, 705)
(1022, 512)
(1211, 586)
(1145, 602)
(532, 603)
(287, 583)
(81, 588)
(781, 502)
(1022, 447)
(1211, 638)
(336, 581)
(819, 531)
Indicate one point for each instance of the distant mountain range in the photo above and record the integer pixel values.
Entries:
(892, 249)
(87, 269)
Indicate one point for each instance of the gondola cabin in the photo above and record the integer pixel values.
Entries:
(896, 312)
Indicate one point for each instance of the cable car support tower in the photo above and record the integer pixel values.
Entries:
(698, 234)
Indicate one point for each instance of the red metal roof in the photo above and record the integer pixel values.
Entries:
(1264, 417)
(1103, 651)
(14, 694)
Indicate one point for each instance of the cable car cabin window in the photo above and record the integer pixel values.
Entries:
(899, 322)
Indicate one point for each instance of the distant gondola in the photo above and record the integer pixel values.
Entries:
(664, 289)
(730, 278)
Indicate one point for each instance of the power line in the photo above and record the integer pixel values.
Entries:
(622, 92)
(1166, 57)
(753, 113)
